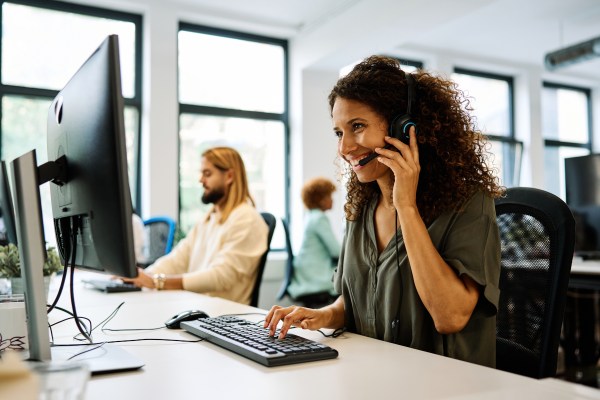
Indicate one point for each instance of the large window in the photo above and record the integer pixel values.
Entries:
(233, 92)
(43, 45)
(491, 97)
(566, 116)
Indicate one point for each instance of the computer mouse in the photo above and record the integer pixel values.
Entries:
(189, 315)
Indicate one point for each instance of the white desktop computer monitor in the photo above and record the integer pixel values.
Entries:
(91, 199)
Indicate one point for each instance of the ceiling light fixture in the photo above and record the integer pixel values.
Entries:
(573, 54)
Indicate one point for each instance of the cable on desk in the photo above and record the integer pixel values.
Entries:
(126, 341)
(83, 319)
(99, 345)
(86, 351)
(59, 293)
(114, 314)
(132, 329)
(61, 225)
(338, 332)
(76, 229)
(155, 340)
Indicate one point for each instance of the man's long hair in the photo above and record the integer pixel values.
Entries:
(225, 159)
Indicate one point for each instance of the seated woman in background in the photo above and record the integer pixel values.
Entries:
(312, 281)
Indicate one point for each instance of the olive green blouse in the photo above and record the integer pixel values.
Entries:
(375, 293)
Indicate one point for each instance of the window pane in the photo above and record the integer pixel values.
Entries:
(506, 161)
(490, 100)
(24, 129)
(261, 144)
(565, 115)
(554, 166)
(230, 73)
(43, 48)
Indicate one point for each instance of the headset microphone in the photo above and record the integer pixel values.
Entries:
(371, 156)
(400, 125)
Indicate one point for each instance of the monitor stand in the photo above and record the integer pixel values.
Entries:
(100, 359)
(30, 235)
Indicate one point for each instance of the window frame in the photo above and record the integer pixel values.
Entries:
(556, 144)
(200, 110)
(49, 94)
(588, 95)
(511, 138)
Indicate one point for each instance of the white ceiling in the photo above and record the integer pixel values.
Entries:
(517, 31)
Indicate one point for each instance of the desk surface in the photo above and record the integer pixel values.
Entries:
(365, 369)
(587, 267)
(585, 274)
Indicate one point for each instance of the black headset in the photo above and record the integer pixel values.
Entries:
(400, 125)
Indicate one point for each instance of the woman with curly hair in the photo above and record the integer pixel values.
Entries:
(420, 261)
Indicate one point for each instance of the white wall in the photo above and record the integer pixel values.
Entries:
(160, 114)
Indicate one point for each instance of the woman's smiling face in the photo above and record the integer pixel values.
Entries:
(359, 130)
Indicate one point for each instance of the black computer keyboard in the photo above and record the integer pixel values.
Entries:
(111, 286)
(252, 341)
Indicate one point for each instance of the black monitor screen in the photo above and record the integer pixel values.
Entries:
(582, 180)
(8, 232)
(582, 184)
(86, 126)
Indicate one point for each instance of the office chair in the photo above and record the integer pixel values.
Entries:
(537, 233)
(160, 234)
(289, 266)
(271, 222)
(312, 300)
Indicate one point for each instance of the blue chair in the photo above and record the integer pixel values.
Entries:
(160, 235)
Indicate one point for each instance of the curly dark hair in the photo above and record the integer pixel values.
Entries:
(452, 153)
(315, 190)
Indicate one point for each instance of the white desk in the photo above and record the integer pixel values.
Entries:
(580, 266)
(365, 369)
(585, 274)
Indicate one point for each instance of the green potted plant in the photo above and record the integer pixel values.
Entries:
(10, 266)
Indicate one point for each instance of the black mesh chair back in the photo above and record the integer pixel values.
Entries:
(537, 233)
(160, 235)
(271, 222)
(289, 266)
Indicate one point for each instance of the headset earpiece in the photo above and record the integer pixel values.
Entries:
(400, 125)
